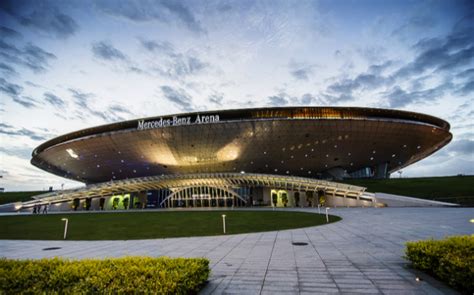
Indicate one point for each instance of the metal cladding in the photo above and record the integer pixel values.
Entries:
(296, 141)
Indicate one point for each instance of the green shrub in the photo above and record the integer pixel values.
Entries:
(118, 275)
(451, 260)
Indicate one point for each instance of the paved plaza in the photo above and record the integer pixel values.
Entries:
(363, 253)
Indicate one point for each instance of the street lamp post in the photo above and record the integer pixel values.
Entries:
(327, 216)
(65, 227)
(223, 222)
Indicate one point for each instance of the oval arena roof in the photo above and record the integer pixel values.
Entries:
(287, 140)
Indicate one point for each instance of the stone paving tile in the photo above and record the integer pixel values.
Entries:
(363, 253)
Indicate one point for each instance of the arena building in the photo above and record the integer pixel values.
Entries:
(287, 156)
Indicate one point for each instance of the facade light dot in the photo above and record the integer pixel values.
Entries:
(418, 147)
(349, 154)
(287, 172)
(327, 155)
(335, 146)
(282, 161)
(371, 158)
(373, 152)
(134, 171)
(122, 161)
(312, 150)
(309, 172)
(306, 155)
(352, 164)
(276, 170)
(393, 155)
(98, 166)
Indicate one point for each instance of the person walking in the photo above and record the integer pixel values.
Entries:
(45, 209)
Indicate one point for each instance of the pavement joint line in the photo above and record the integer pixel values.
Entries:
(269, 260)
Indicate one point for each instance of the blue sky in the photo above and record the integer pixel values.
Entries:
(68, 65)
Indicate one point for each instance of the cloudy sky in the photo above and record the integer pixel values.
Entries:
(68, 65)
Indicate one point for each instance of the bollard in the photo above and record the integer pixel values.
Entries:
(65, 227)
(223, 222)
(327, 216)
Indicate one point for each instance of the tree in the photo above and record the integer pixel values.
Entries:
(321, 197)
(88, 204)
(125, 203)
(115, 203)
(274, 199)
(75, 204)
(284, 199)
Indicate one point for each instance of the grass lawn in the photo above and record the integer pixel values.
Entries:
(10, 197)
(149, 225)
(454, 189)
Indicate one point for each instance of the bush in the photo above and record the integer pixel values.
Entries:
(451, 260)
(118, 275)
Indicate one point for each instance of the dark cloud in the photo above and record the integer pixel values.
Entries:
(14, 91)
(397, 97)
(308, 99)
(466, 89)
(8, 70)
(216, 98)
(467, 74)
(454, 51)
(302, 73)
(179, 66)
(20, 152)
(10, 89)
(105, 50)
(43, 16)
(277, 100)
(54, 100)
(149, 10)
(29, 83)
(157, 46)
(81, 98)
(334, 99)
(169, 63)
(8, 33)
(300, 70)
(344, 86)
(10, 130)
(84, 101)
(31, 56)
(378, 69)
(463, 147)
(119, 109)
(178, 97)
(26, 101)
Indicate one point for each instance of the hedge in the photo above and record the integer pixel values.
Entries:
(118, 275)
(451, 260)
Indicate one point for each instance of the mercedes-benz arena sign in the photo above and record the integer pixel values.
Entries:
(309, 142)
